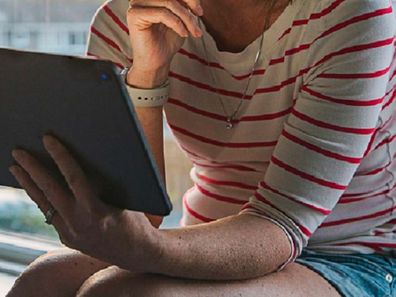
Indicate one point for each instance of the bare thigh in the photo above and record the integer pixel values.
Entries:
(57, 273)
(295, 280)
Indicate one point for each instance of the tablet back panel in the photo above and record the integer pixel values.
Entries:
(84, 103)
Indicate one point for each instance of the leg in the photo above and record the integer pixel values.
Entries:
(58, 273)
(295, 280)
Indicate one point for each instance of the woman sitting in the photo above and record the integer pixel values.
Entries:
(285, 109)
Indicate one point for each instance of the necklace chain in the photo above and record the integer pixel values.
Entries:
(230, 119)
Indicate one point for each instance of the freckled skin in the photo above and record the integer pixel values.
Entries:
(64, 271)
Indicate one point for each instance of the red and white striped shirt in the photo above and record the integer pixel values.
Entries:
(313, 146)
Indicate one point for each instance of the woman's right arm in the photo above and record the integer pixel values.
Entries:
(157, 29)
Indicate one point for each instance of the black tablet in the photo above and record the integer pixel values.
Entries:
(84, 103)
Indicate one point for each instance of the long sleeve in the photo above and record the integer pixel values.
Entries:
(109, 35)
(334, 116)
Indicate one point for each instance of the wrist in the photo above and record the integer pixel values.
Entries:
(156, 252)
(147, 79)
(139, 243)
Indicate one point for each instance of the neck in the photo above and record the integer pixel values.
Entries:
(231, 35)
(224, 7)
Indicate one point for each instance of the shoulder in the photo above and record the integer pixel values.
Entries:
(109, 34)
(354, 6)
(345, 20)
(111, 14)
(342, 23)
(351, 36)
(358, 13)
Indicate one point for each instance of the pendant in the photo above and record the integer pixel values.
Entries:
(229, 125)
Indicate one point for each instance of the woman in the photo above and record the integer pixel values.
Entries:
(286, 110)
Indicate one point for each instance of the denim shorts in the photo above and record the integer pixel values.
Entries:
(354, 275)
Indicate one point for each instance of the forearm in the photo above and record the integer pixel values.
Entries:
(151, 118)
(151, 121)
(237, 247)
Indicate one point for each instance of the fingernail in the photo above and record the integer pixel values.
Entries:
(16, 153)
(198, 32)
(48, 140)
(199, 10)
(13, 169)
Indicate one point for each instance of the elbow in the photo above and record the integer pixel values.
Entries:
(276, 248)
(267, 249)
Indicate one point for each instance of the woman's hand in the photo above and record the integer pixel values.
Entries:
(82, 220)
(157, 31)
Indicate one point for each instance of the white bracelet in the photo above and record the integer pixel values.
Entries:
(146, 97)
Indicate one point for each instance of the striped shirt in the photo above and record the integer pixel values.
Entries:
(314, 142)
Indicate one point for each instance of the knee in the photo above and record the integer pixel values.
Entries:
(104, 283)
(45, 267)
(116, 282)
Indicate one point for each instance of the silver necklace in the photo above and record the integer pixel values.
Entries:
(231, 119)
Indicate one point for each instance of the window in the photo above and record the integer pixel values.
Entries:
(77, 38)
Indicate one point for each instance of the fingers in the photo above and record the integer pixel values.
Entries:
(51, 189)
(195, 6)
(144, 18)
(35, 194)
(70, 169)
(145, 13)
(178, 10)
